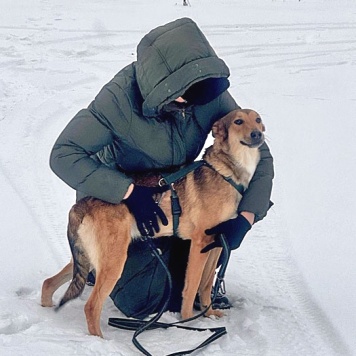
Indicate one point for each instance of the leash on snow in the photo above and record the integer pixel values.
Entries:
(139, 326)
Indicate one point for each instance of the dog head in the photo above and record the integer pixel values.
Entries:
(242, 126)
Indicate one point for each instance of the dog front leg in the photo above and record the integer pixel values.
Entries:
(207, 281)
(50, 285)
(195, 267)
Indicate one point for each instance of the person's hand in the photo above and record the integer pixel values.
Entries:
(145, 210)
(234, 231)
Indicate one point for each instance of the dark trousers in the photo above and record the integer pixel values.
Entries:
(143, 287)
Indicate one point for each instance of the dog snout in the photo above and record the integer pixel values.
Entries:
(256, 136)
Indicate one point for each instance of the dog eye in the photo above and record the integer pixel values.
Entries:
(239, 122)
(258, 120)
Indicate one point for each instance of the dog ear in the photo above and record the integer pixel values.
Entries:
(219, 130)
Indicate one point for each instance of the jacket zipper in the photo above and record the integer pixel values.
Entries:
(179, 149)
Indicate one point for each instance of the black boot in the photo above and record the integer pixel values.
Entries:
(91, 278)
(221, 301)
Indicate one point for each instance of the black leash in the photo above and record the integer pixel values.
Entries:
(139, 326)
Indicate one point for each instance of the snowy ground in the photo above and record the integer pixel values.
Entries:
(293, 282)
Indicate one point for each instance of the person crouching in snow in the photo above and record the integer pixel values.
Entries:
(154, 116)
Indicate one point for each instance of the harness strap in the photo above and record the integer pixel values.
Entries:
(170, 179)
(176, 209)
(174, 177)
(239, 187)
(182, 172)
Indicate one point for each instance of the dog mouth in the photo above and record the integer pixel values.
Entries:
(253, 144)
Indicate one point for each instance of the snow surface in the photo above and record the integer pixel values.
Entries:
(293, 282)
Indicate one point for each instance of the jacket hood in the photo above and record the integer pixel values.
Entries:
(171, 58)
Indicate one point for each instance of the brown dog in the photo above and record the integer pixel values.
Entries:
(99, 233)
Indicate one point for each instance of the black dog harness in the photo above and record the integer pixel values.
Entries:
(172, 178)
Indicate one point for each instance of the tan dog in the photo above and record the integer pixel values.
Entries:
(99, 233)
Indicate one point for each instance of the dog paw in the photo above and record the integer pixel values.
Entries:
(47, 303)
(187, 315)
(46, 300)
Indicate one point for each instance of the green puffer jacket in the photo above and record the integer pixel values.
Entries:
(132, 125)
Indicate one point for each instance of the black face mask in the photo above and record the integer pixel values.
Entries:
(205, 91)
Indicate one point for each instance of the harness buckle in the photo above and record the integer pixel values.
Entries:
(176, 208)
(222, 287)
(162, 182)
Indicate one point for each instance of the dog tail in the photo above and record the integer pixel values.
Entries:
(81, 262)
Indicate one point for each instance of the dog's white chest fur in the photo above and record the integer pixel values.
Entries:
(249, 159)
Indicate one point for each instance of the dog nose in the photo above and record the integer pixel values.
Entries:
(256, 135)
